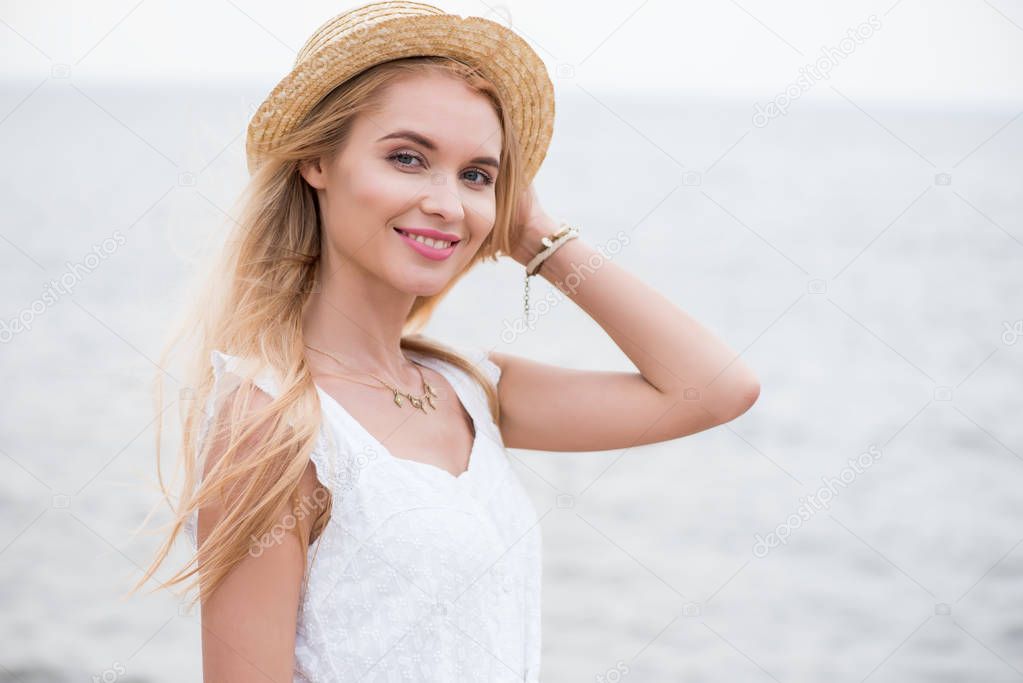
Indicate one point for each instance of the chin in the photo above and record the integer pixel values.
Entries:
(424, 287)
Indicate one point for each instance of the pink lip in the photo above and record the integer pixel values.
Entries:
(426, 250)
(430, 232)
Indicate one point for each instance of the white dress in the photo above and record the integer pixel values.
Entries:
(419, 575)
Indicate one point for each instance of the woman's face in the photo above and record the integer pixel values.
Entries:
(382, 180)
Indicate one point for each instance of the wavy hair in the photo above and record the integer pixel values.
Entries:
(251, 305)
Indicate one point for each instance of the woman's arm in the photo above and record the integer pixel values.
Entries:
(249, 622)
(688, 380)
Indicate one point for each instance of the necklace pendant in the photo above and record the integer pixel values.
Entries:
(429, 399)
(416, 403)
(429, 389)
(397, 399)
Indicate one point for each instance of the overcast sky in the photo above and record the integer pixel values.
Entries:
(916, 50)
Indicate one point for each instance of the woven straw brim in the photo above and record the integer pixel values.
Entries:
(357, 40)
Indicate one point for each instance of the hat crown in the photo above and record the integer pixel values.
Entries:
(360, 19)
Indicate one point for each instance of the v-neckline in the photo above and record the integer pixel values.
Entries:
(367, 436)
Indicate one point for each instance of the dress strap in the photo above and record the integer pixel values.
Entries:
(476, 396)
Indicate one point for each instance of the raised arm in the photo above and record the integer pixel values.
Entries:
(688, 380)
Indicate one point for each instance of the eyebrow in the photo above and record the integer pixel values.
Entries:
(426, 142)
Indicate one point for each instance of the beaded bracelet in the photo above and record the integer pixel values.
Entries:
(551, 243)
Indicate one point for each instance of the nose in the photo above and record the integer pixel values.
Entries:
(439, 198)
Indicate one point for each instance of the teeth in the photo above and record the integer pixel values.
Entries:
(428, 241)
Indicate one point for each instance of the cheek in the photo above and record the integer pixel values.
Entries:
(480, 230)
(367, 200)
(373, 191)
(481, 209)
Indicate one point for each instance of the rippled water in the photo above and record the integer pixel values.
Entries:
(876, 301)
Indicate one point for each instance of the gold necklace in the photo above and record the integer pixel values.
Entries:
(416, 401)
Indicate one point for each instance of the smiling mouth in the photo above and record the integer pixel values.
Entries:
(428, 241)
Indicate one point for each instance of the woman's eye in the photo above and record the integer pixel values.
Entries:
(484, 179)
(403, 154)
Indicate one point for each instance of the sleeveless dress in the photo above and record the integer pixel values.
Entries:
(419, 575)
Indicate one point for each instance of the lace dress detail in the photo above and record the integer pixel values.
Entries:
(419, 575)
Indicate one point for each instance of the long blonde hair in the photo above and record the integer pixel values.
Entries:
(251, 306)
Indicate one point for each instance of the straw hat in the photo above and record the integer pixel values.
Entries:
(378, 32)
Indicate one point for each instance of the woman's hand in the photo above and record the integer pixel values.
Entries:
(534, 225)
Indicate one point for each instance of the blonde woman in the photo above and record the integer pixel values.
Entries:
(346, 480)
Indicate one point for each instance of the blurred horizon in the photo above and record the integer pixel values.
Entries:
(861, 251)
(905, 49)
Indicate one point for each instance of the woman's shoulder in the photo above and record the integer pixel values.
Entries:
(230, 370)
(476, 355)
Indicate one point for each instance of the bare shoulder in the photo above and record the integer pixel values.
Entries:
(253, 399)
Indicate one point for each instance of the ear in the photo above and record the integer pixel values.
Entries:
(312, 171)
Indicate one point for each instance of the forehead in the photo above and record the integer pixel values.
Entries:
(443, 109)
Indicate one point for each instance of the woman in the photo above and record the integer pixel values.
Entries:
(346, 481)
